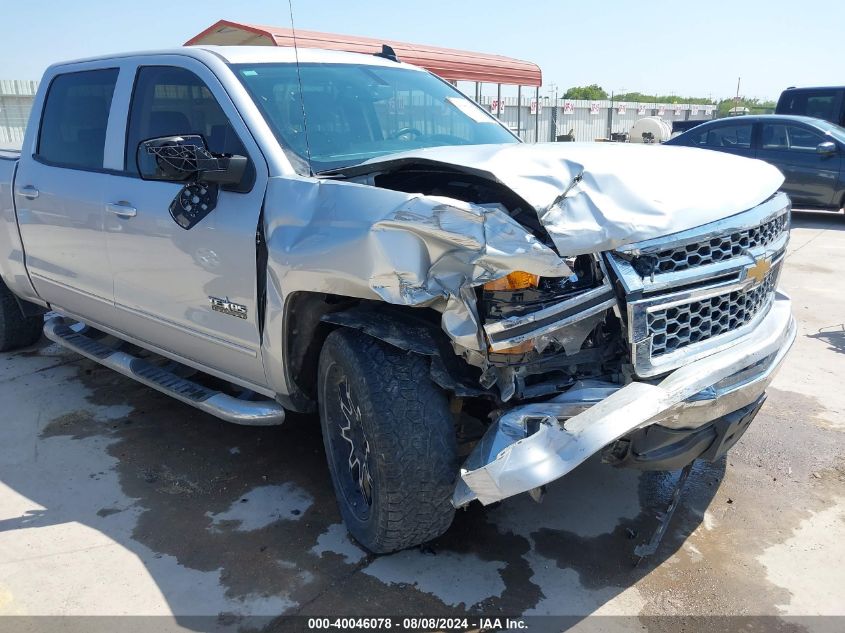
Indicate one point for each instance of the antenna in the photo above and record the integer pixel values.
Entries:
(301, 95)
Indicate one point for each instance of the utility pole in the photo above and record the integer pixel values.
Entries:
(736, 99)
(553, 126)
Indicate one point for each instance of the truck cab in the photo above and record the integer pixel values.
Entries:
(826, 103)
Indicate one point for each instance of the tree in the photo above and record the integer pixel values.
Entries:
(639, 97)
(593, 92)
(754, 105)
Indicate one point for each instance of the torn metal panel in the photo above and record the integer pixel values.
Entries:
(594, 197)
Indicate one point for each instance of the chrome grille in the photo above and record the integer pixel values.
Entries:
(681, 325)
(695, 292)
(716, 249)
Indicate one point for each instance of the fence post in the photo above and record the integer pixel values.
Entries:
(537, 118)
(519, 111)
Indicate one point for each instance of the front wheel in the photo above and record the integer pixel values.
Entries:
(390, 442)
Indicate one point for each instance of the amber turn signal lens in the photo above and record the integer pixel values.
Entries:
(521, 348)
(517, 280)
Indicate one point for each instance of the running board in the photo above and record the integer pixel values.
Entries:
(249, 412)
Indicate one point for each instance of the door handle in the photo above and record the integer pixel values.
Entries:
(122, 209)
(29, 192)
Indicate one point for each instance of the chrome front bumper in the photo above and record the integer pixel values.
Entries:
(534, 444)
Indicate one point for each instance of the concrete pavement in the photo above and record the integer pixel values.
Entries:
(116, 500)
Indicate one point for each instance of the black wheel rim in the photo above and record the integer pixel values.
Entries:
(348, 446)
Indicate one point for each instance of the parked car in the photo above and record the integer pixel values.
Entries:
(826, 103)
(809, 152)
(352, 235)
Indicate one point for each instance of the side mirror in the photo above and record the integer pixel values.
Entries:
(186, 158)
(826, 149)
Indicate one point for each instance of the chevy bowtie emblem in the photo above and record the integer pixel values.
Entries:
(759, 270)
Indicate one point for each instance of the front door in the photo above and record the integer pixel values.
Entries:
(192, 292)
(811, 178)
(58, 194)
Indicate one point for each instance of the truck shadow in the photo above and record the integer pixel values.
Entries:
(239, 525)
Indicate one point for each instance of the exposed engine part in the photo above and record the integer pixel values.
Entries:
(588, 347)
(466, 187)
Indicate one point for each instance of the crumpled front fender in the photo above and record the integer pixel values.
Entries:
(407, 249)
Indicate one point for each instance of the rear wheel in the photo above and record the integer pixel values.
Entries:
(390, 442)
(16, 330)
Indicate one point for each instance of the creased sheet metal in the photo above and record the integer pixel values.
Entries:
(594, 197)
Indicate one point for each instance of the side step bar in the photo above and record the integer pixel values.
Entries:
(252, 413)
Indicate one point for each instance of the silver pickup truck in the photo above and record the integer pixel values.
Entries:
(472, 316)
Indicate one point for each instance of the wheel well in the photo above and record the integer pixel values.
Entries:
(311, 316)
(302, 341)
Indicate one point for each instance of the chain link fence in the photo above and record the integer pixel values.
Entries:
(544, 121)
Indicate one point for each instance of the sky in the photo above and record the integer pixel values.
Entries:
(685, 47)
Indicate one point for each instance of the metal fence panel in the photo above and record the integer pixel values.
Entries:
(586, 120)
(16, 99)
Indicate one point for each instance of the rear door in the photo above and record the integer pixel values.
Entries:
(59, 188)
(732, 138)
(190, 292)
(810, 178)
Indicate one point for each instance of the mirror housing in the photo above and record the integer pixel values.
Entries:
(826, 148)
(185, 158)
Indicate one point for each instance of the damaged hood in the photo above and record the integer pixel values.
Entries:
(594, 197)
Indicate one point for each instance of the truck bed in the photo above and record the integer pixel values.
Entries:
(9, 154)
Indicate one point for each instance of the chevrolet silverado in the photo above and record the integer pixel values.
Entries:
(472, 316)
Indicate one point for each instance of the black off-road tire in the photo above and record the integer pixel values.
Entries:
(409, 436)
(16, 330)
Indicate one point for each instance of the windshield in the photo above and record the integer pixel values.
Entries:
(355, 112)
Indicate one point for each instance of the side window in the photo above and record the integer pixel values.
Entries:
(820, 106)
(75, 117)
(698, 139)
(736, 136)
(169, 101)
(803, 140)
(790, 137)
(774, 136)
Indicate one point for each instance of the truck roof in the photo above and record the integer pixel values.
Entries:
(802, 88)
(257, 55)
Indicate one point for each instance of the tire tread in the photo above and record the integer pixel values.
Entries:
(413, 429)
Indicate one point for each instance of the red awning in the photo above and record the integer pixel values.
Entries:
(450, 64)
